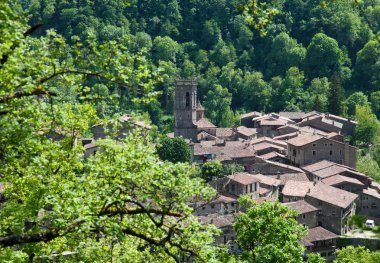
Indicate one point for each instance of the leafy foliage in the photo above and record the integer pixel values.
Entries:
(269, 232)
(174, 150)
(357, 254)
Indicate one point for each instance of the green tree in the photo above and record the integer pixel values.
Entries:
(218, 103)
(269, 232)
(335, 95)
(285, 53)
(315, 258)
(375, 103)
(367, 67)
(323, 56)
(121, 204)
(165, 48)
(174, 150)
(212, 169)
(356, 254)
(356, 98)
(232, 168)
(367, 127)
(318, 93)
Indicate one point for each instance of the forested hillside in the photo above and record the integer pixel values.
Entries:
(309, 45)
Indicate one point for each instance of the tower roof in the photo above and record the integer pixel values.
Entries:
(200, 107)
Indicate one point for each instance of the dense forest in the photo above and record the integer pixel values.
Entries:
(308, 46)
(67, 65)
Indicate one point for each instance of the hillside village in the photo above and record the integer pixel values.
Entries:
(301, 159)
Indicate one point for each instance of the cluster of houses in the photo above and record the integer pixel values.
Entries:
(301, 159)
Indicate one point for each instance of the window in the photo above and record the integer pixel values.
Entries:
(232, 204)
(294, 152)
(314, 153)
(255, 187)
(319, 203)
(340, 152)
(330, 152)
(246, 188)
(213, 206)
(373, 206)
(303, 216)
(330, 144)
(233, 188)
(314, 144)
(187, 99)
(251, 187)
(325, 144)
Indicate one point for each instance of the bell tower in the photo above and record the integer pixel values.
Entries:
(185, 107)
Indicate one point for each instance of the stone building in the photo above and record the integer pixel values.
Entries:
(335, 206)
(307, 214)
(320, 240)
(224, 223)
(185, 107)
(223, 203)
(322, 170)
(309, 148)
(238, 184)
(370, 202)
(295, 190)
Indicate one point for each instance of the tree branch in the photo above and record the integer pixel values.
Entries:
(19, 94)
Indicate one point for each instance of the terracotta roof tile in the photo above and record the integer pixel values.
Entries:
(204, 123)
(304, 139)
(292, 114)
(332, 195)
(302, 207)
(339, 179)
(223, 132)
(290, 177)
(266, 179)
(329, 171)
(371, 192)
(218, 219)
(243, 178)
(318, 234)
(297, 188)
(246, 131)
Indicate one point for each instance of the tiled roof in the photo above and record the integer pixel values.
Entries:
(297, 188)
(200, 107)
(223, 132)
(263, 190)
(329, 171)
(224, 198)
(266, 179)
(290, 167)
(251, 115)
(204, 123)
(246, 131)
(271, 155)
(371, 192)
(292, 114)
(332, 195)
(302, 207)
(269, 122)
(218, 219)
(290, 177)
(304, 139)
(318, 166)
(243, 178)
(228, 150)
(90, 146)
(318, 234)
(339, 179)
